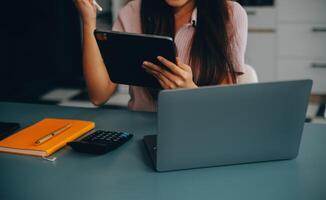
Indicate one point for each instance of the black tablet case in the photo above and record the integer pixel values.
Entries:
(124, 54)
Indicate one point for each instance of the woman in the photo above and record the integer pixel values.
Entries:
(210, 36)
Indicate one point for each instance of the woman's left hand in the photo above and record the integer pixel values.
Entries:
(179, 76)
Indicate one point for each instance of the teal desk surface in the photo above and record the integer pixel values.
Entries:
(127, 173)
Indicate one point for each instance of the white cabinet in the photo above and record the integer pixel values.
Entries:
(302, 11)
(302, 41)
(261, 55)
(261, 47)
(261, 17)
(304, 68)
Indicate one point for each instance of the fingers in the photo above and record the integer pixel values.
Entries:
(84, 3)
(178, 61)
(173, 67)
(164, 82)
(154, 68)
(182, 65)
(179, 77)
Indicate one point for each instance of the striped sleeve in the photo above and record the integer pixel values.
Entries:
(239, 23)
(129, 18)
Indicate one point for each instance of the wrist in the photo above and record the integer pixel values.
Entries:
(89, 28)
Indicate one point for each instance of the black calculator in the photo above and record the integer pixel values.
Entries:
(100, 142)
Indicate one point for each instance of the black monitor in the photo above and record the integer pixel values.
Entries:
(40, 48)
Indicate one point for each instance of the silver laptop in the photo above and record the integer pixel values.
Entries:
(224, 125)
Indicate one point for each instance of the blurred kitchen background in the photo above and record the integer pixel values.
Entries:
(41, 50)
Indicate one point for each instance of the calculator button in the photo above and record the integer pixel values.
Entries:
(101, 142)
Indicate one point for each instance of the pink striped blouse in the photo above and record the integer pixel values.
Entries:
(129, 21)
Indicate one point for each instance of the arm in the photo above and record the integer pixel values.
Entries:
(239, 27)
(99, 85)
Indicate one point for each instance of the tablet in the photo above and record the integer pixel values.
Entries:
(124, 54)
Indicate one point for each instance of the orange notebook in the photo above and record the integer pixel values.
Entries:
(25, 141)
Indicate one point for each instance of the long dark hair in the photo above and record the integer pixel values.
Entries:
(210, 49)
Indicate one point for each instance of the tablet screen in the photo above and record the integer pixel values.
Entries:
(124, 54)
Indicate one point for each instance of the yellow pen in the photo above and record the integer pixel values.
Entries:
(52, 134)
(98, 7)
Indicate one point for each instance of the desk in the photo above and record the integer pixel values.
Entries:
(127, 173)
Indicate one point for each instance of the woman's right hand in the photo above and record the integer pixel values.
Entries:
(87, 11)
